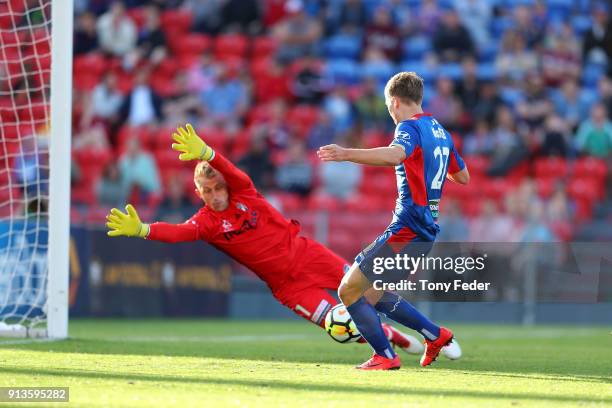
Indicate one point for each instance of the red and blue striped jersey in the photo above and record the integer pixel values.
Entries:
(430, 155)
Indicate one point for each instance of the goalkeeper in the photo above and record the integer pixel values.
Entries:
(238, 220)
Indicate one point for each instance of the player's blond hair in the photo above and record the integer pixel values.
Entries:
(204, 169)
(407, 86)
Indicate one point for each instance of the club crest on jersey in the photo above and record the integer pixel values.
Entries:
(241, 207)
(226, 225)
(403, 134)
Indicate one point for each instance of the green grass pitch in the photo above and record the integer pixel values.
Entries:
(208, 363)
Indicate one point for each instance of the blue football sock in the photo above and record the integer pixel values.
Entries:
(368, 322)
(398, 309)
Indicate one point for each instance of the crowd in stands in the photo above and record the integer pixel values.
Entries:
(523, 85)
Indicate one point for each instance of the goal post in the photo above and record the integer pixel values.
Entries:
(59, 168)
(35, 145)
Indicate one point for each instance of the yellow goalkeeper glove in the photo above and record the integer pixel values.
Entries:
(190, 145)
(128, 224)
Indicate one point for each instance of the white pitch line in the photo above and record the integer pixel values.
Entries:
(197, 339)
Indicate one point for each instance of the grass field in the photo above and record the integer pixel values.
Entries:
(196, 363)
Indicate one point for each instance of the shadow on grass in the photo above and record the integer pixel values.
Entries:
(323, 353)
(306, 386)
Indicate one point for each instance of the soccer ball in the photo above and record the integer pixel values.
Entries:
(340, 326)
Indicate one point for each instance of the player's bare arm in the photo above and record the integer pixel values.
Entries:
(460, 177)
(378, 156)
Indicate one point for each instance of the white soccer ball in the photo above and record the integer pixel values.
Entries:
(340, 326)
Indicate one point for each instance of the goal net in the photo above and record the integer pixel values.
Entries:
(34, 166)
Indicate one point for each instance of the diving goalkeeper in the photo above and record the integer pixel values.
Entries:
(237, 220)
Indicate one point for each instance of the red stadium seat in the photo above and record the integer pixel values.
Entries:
(302, 118)
(477, 165)
(545, 186)
(590, 167)
(176, 21)
(551, 167)
(322, 201)
(495, 188)
(231, 44)
(264, 46)
(192, 44)
(138, 16)
(289, 202)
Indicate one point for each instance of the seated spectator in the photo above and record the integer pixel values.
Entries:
(370, 105)
(226, 101)
(604, 87)
(524, 20)
(453, 225)
(515, 60)
(116, 31)
(479, 141)
(241, 15)
(468, 87)
(594, 136)
(341, 179)
(176, 207)
(257, 163)
(111, 189)
(202, 75)
(451, 40)
(295, 175)
(536, 106)
(322, 133)
(31, 167)
(560, 56)
(444, 105)
(93, 137)
(272, 84)
(206, 14)
(572, 104)
(597, 44)
(429, 17)
(85, 34)
(105, 102)
(383, 34)
(309, 84)
(139, 170)
(142, 106)
(339, 108)
(488, 103)
(352, 17)
(509, 148)
(475, 15)
(151, 39)
(556, 137)
(298, 34)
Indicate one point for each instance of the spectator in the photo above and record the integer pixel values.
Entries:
(298, 34)
(85, 35)
(352, 16)
(604, 87)
(451, 40)
(597, 45)
(176, 207)
(275, 127)
(429, 16)
(151, 39)
(491, 226)
(309, 84)
(383, 34)
(371, 109)
(241, 15)
(509, 148)
(475, 15)
(295, 175)
(572, 104)
(139, 170)
(479, 141)
(514, 60)
(322, 133)
(468, 87)
(488, 103)
(207, 17)
(341, 179)
(339, 108)
(116, 31)
(31, 168)
(257, 163)
(111, 190)
(272, 84)
(453, 225)
(556, 137)
(202, 74)
(227, 100)
(105, 102)
(594, 135)
(142, 106)
(536, 105)
(444, 105)
(560, 56)
(525, 23)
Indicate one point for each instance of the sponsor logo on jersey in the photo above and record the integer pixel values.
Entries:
(226, 225)
(247, 225)
(241, 207)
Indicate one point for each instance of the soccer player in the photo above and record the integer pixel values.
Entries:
(423, 155)
(239, 221)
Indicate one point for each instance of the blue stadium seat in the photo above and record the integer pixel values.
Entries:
(452, 71)
(427, 72)
(343, 46)
(486, 72)
(380, 71)
(591, 74)
(416, 47)
(511, 96)
(343, 70)
(499, 26)
(487, 52)
(581, 24)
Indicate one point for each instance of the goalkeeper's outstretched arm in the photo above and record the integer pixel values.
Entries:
(128, 224)
(192, 147)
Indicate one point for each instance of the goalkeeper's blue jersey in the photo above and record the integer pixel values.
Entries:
(430, 154)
